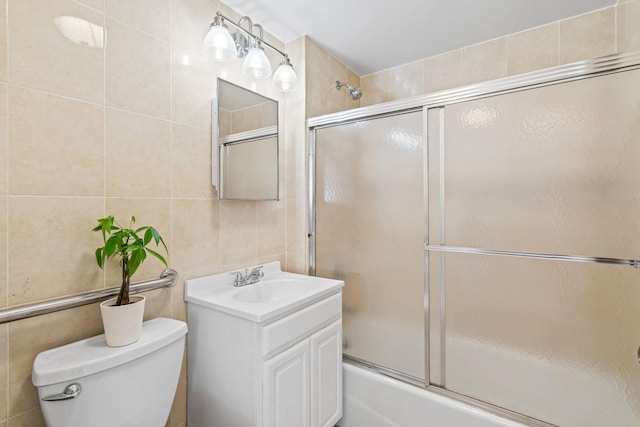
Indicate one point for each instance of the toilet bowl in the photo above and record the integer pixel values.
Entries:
(87, 383)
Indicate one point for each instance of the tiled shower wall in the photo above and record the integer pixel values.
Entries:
(604, 32)
(117, 125)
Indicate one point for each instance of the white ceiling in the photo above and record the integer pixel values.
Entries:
(372, 35)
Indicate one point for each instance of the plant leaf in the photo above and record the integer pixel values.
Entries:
(157, 255)
(148, 235)
(137, 257)
(100, 257)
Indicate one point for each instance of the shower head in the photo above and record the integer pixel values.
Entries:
(355, 92)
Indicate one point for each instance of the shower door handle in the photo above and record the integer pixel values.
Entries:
(70, 391)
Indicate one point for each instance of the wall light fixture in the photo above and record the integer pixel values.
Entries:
(221, 45)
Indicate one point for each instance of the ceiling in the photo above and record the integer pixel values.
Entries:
(372, 35)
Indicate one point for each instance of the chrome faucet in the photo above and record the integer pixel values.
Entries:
(246, 277)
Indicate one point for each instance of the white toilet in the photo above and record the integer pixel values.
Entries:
(131, 386)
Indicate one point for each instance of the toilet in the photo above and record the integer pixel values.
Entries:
(87, 383)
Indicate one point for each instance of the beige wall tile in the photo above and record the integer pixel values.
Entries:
(316, 106)
(484, 61)
(628, 26)
(375, 88)
(316, 65)
(29, 337)
(195, 242)
(336, 71)
(157, 304)
(406, 81)
(238, 234)
(533, 49)
(192, 162)
(4, 362)
(42, 57)
(179, 407)
(443, 71)
(587, 36)
(66, 245)
(190, 20)
(31, 418)
(137, 71)
(4, 138)
(296, 227)
(154, 212)
(138, 155)
(3, 253)
(178, 305)
(63, 154)
(150, 16)
(94, 4)
(193, 87)
(271, 232)
(3, 42)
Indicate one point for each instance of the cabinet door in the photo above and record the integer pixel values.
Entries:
(326, 376)
(286, 388)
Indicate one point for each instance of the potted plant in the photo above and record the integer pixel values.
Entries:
(122, 316)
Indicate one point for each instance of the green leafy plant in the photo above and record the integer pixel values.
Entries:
(129, 246)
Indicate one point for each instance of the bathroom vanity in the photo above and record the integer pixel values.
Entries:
(268, 354)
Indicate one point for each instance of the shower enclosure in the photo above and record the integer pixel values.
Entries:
(487, 237)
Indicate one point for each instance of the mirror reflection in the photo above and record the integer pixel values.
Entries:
(246, 139)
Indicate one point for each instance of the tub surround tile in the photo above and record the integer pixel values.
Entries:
(149, 16)
(375, 88)
(484, 61)
(31, 418)
(195, 243)
(63, 154)
(238, 234)
(62, 226)
(137, 71)
(94, 4)
(3, 42)
(138, 155)
(533, 49)
(192, 163)
(406, 81)
(588, 36)
(443, 71)
(51, 59)
(628, 26)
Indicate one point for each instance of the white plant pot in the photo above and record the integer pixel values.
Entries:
(122, 324)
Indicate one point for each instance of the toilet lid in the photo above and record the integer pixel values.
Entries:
(92, 355)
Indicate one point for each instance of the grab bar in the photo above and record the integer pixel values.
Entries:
(167, 279)
(578, 258)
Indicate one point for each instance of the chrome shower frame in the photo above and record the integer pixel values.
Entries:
(547, 77)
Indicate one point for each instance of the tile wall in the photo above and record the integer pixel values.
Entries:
(105, 109)
(604, 32)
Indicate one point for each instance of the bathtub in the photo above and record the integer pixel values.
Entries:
(375, 400)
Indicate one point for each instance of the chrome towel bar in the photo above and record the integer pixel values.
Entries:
(167, 279)
(577, 258)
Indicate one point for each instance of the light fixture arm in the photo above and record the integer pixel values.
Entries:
(250, 33)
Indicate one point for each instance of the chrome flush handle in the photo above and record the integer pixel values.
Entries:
(71, 391)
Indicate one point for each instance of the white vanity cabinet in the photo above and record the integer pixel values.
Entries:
(277, 369)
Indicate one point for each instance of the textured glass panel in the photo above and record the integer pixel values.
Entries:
(551, 170)
(554, 340)
(369, 232)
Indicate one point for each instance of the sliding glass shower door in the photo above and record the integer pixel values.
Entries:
(535, 216)
(370, 221)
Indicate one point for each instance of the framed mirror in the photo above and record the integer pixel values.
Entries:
(245, 144)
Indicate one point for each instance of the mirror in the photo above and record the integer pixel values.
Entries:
(245, 140)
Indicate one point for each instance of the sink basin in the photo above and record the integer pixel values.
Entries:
(272, 290)
(277, 294)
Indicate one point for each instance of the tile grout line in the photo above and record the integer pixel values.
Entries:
(104, 123)
(7, 293)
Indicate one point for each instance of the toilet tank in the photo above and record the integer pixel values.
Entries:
(130, 386)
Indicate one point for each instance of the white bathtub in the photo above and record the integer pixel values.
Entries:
(374, 400)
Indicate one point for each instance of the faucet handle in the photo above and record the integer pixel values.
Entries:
(258, 271)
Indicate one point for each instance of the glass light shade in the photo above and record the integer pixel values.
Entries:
(285, 79)
(219, 45)
(256, 64)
